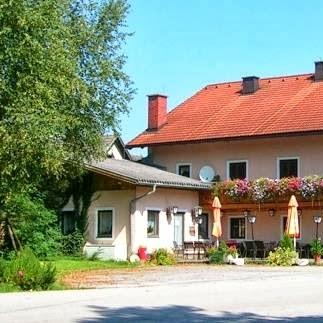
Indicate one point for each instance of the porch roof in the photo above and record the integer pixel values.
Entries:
(144, 175)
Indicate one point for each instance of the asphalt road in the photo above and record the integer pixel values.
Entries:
(237, 294)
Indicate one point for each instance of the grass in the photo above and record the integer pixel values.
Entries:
(66, 265)
(6, 288)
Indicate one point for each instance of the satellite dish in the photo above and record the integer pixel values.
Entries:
(207, 174)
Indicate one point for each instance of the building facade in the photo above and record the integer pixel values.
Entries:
(253, 128)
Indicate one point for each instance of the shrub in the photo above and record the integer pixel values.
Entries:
(28, 273)
(35, 226)
(282, 257)
(162, 257)
(286, 243)
(72, 244)
(3, 265)
(316, 248)
(216, 255)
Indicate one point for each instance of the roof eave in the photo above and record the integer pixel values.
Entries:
(247, 137)
(106, 172)
(174, 185)
(141, 182)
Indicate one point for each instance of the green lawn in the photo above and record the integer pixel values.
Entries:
(66, 265)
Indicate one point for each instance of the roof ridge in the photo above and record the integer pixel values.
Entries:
(260, 78)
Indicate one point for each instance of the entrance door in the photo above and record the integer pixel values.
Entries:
(179, 229)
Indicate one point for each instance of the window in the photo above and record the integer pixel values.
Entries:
(238, 228)
(284, 226)
(152, 224)
(104, 223)
(68, 222)
(237, 169)
(288, 167)
(203, 227)
(184, 170)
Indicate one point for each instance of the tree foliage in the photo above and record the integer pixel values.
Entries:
(35, 226)
(61, 86)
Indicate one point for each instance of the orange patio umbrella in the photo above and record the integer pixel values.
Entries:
(217, 229)
(292, 225)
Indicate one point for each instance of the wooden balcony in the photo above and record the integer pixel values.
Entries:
(206, 199)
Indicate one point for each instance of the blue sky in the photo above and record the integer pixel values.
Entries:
(179, 46)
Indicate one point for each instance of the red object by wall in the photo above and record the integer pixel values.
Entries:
(142, 253)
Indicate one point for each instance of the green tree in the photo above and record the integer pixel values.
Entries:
(62, 86)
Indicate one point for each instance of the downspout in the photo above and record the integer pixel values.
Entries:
(142, 196)
(132, 222)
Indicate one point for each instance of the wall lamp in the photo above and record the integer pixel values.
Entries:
(197, 211)
(246, 213)
(271, 212)
(171, 210)
(251, 219)
(317, 220)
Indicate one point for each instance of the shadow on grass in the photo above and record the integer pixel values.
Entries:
(178, 314)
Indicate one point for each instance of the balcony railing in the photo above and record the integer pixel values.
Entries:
(266, 193)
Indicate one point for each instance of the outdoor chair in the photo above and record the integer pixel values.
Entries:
(307, 251)
(188, 249)
(261, 251)
(249, 249)
(241, 249)
(199, 249)
(178, 250)
(303, 250)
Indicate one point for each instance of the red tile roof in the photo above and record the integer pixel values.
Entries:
(282, 105)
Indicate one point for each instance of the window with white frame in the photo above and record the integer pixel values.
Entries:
(68, 222)
(104, 223)
(288, 167)
(237, 228)
(237, 169)
(152, 224)
(184, 170)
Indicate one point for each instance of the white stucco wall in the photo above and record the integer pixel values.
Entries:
(161, 200)
(261, 155)
(116, 247)
(130, 231)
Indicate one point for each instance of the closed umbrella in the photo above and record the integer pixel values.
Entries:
(217, 229)
(292, 225)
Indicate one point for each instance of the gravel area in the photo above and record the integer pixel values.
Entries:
(185, 293)
(150, 276)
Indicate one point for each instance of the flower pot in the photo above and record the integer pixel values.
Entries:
(228, 259)
(317, 259)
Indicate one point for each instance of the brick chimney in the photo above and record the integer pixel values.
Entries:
(318, 76)
(157, 111)
(250, 84)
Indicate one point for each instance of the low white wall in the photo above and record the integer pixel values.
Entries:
(104, 252)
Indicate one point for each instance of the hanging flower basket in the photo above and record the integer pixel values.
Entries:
(264, 190)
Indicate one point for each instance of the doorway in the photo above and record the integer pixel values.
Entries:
(179, 228)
